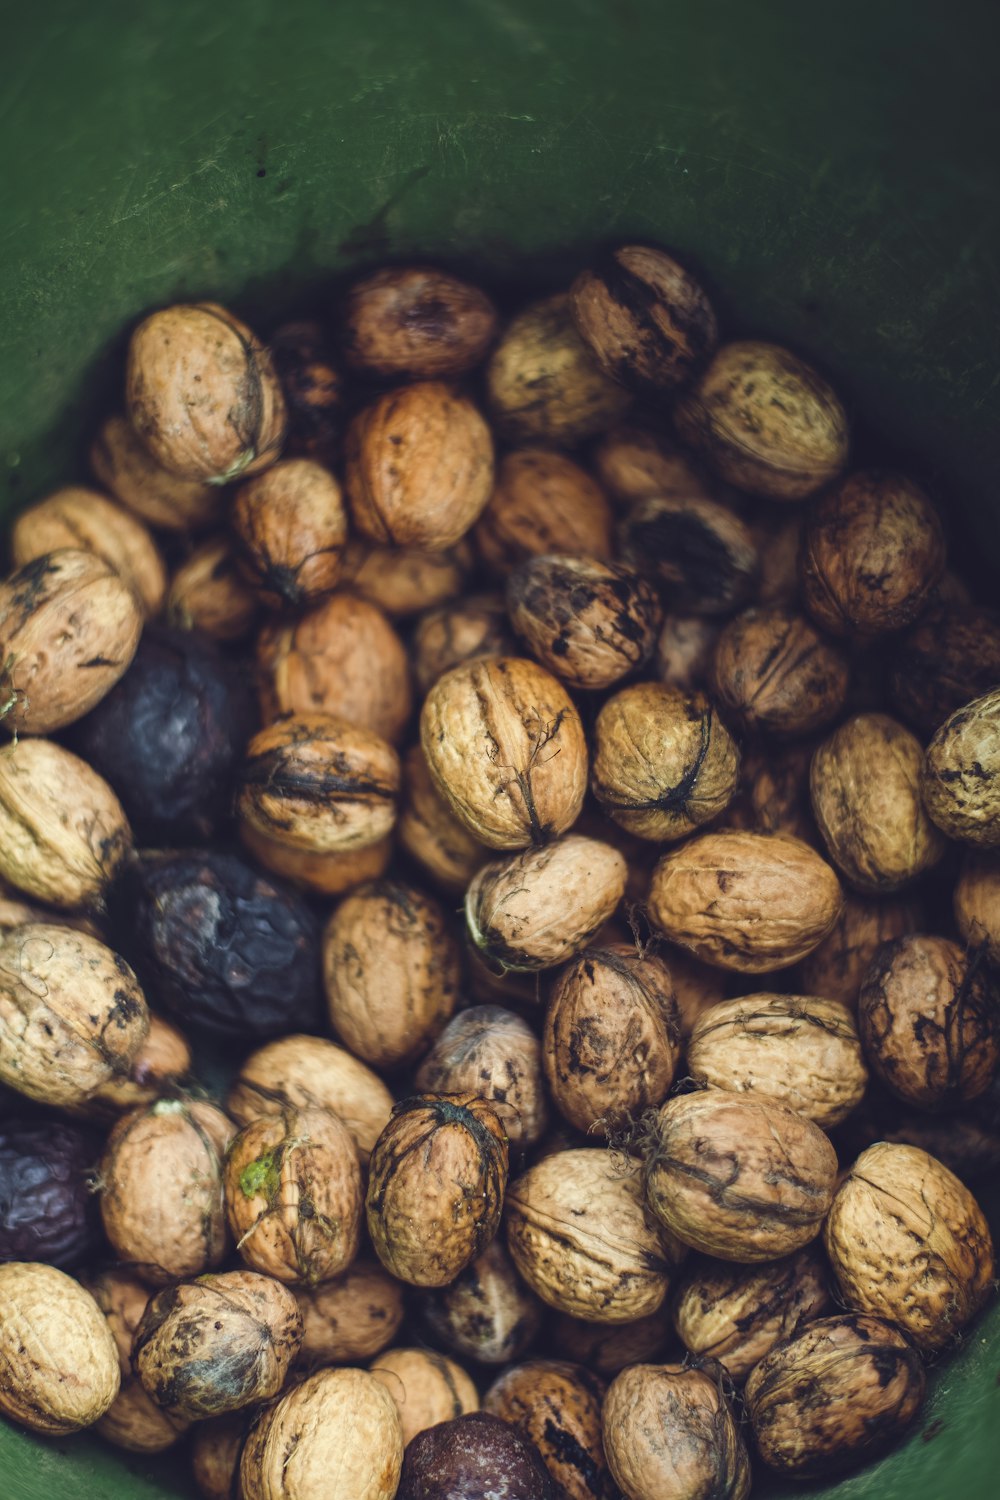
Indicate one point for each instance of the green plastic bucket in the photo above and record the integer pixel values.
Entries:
(830, 171)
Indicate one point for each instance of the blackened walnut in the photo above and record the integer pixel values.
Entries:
(471, 1457)
(951, 656)
(960, 781)
(489, 1051)
(705, 1453)
(487, 1313)
(291, 529)
(700, 550)
(415, 322)
(543, 502)
(558, 1406)
(777, 674)
(313, 390)
(48, 1211)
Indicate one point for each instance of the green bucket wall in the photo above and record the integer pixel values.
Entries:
(829, 170)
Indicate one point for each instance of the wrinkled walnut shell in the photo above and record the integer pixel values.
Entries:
(491, 1052)
(414, 322)
(705, 1455)
(291, 530)
(83, 519)
(543, 503)
(960, 781)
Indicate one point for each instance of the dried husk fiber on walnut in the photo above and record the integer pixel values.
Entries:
(558, 1406)
(705, 1454)
(960, 781)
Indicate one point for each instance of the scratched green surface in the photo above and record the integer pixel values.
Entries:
(830, 169)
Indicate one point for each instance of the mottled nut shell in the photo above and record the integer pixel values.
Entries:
(736, 1314)
(132, 1421)
(865, 784)
(930, 1022)
(837, 1394)
(419, 467)
(506, 747)
(684, 651)
(414, 322)
(537, 909)
(83, 519)
(338, 1435)
(477, 1455)
(473, 626)
(291, 530)
(777, 674)
(960, 781)
(977, 904)
(801, 1050)
(58, 1360)
(391, 971)
(487, 1313)
(161, 1189)
(738, 1176)
(314, 782)
(350, 1318)
(427, 1388)
(216, 1446)
(543, 382)
(753, 902)
(611, 1041)
(558, 1406)
(669, 1434)
(69, 627)
(837, 967)
(607, 1348)
(72, 1015)
(491, 1052)
(872, 552)
(208, 593)
(701, 551)
(951, 656)
(580, 1234)
(328, 874)
(292, 1186)
(436, 1186)
(430, 833)
(908, 1242)
(217, 1344)
(543, 503)
(202, 394)
(664, 763)
(124, 466)
(405, 580)
(765, 421)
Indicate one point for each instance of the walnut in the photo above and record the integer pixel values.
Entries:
(706, 1454)
(777, 674)
(543, 503)
(684, 651)
(765, 421)
(738, 1176)
(419, 467)
(664, 762)
(435, 1191)
(313, 388)
(908, 1242)
(491, 1052)
(774, 791)
(697, 549)
(606, 1348)
(697, 986)
(777, 534)
(124, 466)
(486, 1314)
(208, 593)
(753, 902)
(291, 530)
(977, 904)
(416, 323)
(59, 1367)
(352, 1317)
(506, 747)
(404, 580)
(427, 1388)
(132, 1421)
(202, 394)
(951, 656)
(216, 1446)
(838, 965)
(865, 783)
(558, 1406)
(872, 551)
(163, 1059)
(960, 780)
(430, 833)
(328, 874)
(82, 519)
(474, 626)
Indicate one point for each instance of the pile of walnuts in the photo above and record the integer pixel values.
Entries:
(533, 758)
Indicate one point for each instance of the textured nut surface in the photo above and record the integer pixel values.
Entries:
(328, 874)
(351, 1317)
(960, 780)
(838, 965)
(489, 1051)
(474, 1455)
(558, 1406)
(431, 834)
(669, 1434)
(977, 904)
(777, 673)
(417, 322)
(457, 632)
(684, 651)
(699, 549)
(486, 1314)
(774, 790)
(85, 520)
(950, 657)
(124, 466)
(543, 503)
(162, 1061)
(427, 1388)
(208, 593)
(132, 1421)
(609, 1347)
(291, 530)
(405, 580)
(216, 1446)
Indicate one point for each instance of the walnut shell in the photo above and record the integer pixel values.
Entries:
(633, 463)
(606, 1348)
(706, 1454)
(473, 626)
(291, 530)
(977, 904)
(774, 791)
(430, 833)
(391, 970)
(417, 323)
(405, 580)
(491, 1052)
(777, 534)
(80, 518)
(838, 965)
(124, 466)
(951, 656)
(865, 784)
(664, 763)
(208, 593)
(58, 1360)
(543, 503)
(908, 1242)
(753, 902)
(313, 388)
(581, 1236)
(738, 1176)
(486, 1314)
(202, 394)
(162, 1061)
(684, 651)
(427, 1388)
(132, 1421)
(765, 421)
(777, 674)
(328, 874)
(351, 1317)
(436, 1186)
(697, 549)
(960, 781)
(696, 986)
(216, 1446)
(558, 1406)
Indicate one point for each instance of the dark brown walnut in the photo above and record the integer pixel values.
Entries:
(837, 967)
(430, 833)
(705, 1454)
(645, 319)
(472, 1457)
(930, 1022)
(836, 1395)
(415, 322)
(777, 534)
(800, 1050)
(489, 983)
(697, 986)
(684, 651)
(967, 1143)
(314, 782)
(775, 672)
(350, 1318)
(391, 970)
(558, 1406)
(487, 1314)
(606, 1348)
(774, 791)
(419, 467)
(215, 1455)
(404, 580)
(69, 628)
(737, 1314)
(612, 1037)
(342, 658)
(960, 780)
(543, 382)
(633, 463)
(217, 1344)
(292, 1186)
(872, 552)
(124, 466)
(865, 785)
(202, 394)
(506, 747)
(291, 529)
(161, 1064)
(664, 763)
(83, 519)
(582, 1237)
(208, 593)
(313, 389)
(436, 1185)
(738, 1176)
(590, 623)
(16, 910)
(161, 1189)
(537, 909)
(765, 421)
(489, 1051)
(950, 657)
(427, 1388)
(698, 550)
(72, 1015)
(543, 503)
(908, 1242)
(977, 904)
(327, 874)
(444, 638)
(132, 1421)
